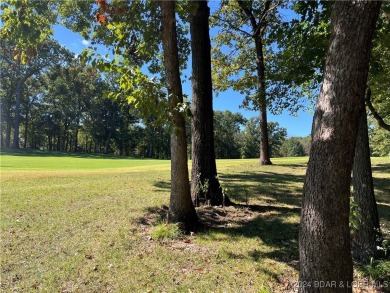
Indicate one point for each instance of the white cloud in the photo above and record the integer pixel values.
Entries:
(85, 42)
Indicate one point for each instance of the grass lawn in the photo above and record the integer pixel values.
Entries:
(83, 224)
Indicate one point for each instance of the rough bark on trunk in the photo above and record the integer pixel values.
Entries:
(366, 236)
(324, 240)
(181, 208)
(205, 187)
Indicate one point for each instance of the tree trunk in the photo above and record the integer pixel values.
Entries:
(58, 148)
(150, 150)
(33, 137)
(366, 236)
(205, 187)
(264, 141)
(107, 142)
(2, 135)
(76, 137)
(65, 140)
(15, 143)
(324, 240)
(8, 129)
(26, 122)
(181, 208)
(96, 146)
(50, 142)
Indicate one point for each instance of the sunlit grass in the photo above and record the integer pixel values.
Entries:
(84, 224)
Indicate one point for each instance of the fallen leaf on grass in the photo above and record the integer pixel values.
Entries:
(200, 270)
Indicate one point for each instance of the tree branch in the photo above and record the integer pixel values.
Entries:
(374, 113)
(231, 26)
(249, 14)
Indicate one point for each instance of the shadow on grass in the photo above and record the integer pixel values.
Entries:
(296, 165)
(278, 188)
(384, 211)
(163, 186)
(383, 185)
(275, 221)
(152, 216)
(381, 168)
(246, 187)
(271, 224)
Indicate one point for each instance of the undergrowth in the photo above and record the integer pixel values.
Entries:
(166, 231)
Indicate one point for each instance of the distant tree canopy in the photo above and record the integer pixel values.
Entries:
(292, 148)
(227, 129)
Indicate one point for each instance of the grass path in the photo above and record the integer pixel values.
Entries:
(82, 224)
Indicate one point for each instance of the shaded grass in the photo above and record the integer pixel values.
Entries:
(83, 224)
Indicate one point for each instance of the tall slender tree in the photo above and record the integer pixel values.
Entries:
(244, 29)
(365, 236)
(324, 239)
(205, 186)
(181, 208)
(258, 28)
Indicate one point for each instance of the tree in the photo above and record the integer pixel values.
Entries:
(251, 142)
(181, 208)
(378, 102)
(277, 135)
(155, 140)
(228, 134)
(292, 148)
(379, 141)
(45, 55)
(32, 93)
(75, 98)
(243, 58)
(366, 234)
(251, 139)
(324, 239)
(258, 27)
(204, 169)
(7, 90)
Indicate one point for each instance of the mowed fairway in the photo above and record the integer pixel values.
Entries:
(83, 223)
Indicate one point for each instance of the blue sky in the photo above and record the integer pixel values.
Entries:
(299, 125)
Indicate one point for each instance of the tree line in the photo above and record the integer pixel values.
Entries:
(274, 62)
(65, 107)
